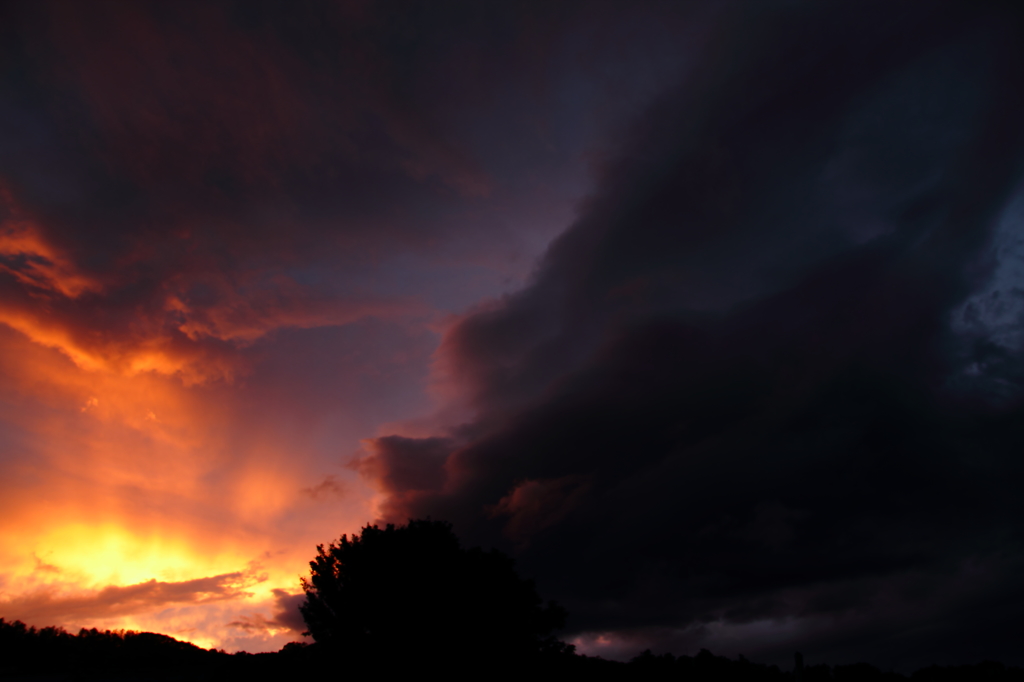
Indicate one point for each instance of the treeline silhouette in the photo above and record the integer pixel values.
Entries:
(416, 590)
(52, 653)
(409, 600)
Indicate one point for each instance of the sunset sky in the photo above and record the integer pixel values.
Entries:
(710, 313)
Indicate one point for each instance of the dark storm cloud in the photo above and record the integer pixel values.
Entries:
(406, 466)
(732, 407)
(342, 111)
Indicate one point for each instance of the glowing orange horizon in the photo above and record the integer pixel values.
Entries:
(140, 482)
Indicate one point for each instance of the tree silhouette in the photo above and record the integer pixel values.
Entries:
(412, 594)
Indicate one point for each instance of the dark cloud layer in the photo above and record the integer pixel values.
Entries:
(177, 180)
(734, 407)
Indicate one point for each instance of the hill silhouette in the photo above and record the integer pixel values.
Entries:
(410, 599)
(53, 654)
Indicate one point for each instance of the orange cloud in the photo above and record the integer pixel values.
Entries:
(189, 321)
(49, 605)
(26, 256)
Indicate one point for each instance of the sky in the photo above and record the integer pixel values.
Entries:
(711, 314)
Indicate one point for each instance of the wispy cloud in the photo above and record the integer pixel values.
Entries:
(56, 605)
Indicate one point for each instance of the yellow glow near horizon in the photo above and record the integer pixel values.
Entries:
(121, 478)
(111, 555)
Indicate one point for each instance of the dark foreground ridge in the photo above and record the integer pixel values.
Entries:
(52, 653)
(407, 601)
